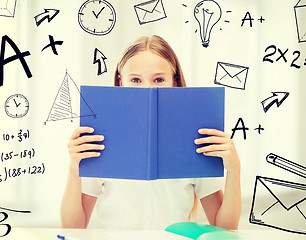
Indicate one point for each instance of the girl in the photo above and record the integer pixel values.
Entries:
(133, 204)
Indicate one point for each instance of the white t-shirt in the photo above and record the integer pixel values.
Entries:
(137, 204)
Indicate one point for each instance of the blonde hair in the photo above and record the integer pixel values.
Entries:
(158, 46)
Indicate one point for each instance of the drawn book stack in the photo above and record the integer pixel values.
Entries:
(150, 132)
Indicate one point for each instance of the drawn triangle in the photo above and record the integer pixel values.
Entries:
(66, 103)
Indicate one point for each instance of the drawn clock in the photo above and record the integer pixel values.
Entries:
(97, 17)
(16, 106)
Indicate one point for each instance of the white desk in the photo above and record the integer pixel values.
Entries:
(98, 234)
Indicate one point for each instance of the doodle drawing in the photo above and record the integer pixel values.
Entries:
(16, 106)
(150, 11)
(48, 14)
(231, 75)
(276, 210)
(97, 17)
(286, 164)
(7, 8)
(300, 14)
(207, 13)
(277, 98)
(99, 59)
(65, 105)
(52, 44)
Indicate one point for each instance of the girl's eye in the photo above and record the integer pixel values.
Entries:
(135, 80)
(158, 80)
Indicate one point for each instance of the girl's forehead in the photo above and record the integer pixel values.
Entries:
(146, 61)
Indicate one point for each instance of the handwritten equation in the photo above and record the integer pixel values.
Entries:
(5, 156)
(275, 54)
(17, 172)
(20, 136)
(19, 156)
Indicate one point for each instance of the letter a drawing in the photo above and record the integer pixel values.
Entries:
(19, 55)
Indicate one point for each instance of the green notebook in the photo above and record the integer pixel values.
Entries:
(198, 231)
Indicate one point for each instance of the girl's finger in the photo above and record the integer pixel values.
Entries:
(78, 131)
(214, 153)
(210, 140)
(89, 155)
(89, 147)
(88, 138)
(213, 132)
(213, 147)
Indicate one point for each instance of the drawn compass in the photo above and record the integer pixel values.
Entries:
(16, 106)
(97, 17)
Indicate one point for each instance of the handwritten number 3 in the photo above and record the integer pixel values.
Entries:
(8, 227)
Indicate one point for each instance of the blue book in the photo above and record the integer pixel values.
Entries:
(150, 132)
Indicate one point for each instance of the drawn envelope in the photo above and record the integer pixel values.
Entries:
(150, 11)
(279, 204)
(7, 8)
(231, 75)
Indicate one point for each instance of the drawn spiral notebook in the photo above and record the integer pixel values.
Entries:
(150, 132)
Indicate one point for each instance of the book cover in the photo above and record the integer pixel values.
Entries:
(149, 132)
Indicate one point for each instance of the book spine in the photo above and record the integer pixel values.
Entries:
(152, 135)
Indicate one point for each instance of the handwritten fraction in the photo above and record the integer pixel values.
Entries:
(20, 136)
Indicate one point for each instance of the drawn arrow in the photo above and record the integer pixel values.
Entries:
(49, 14)
(100, 59)
(277, 98)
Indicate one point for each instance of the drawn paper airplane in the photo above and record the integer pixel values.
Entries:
(284, 212)
(66, 103)
(7, 8)
(277, 98)
(49, 14)
(99, 58)
(286, 164)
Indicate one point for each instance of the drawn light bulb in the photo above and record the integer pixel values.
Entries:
(207, 13)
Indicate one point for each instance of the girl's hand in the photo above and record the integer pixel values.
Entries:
(221, 145)
(81, 147)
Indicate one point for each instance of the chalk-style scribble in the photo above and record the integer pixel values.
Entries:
(99, 59)
(276, 99)
(291, 211)
(207, 13)
(62, 107)
(150, 11)
(231, 75)
(286, 164)
(48, 14)
(7, 8)
(16, 106)
(97, 17)
(300, 14)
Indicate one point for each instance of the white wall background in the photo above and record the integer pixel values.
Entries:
(284, 132)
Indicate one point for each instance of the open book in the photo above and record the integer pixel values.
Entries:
(150, 132)
(198, 231)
